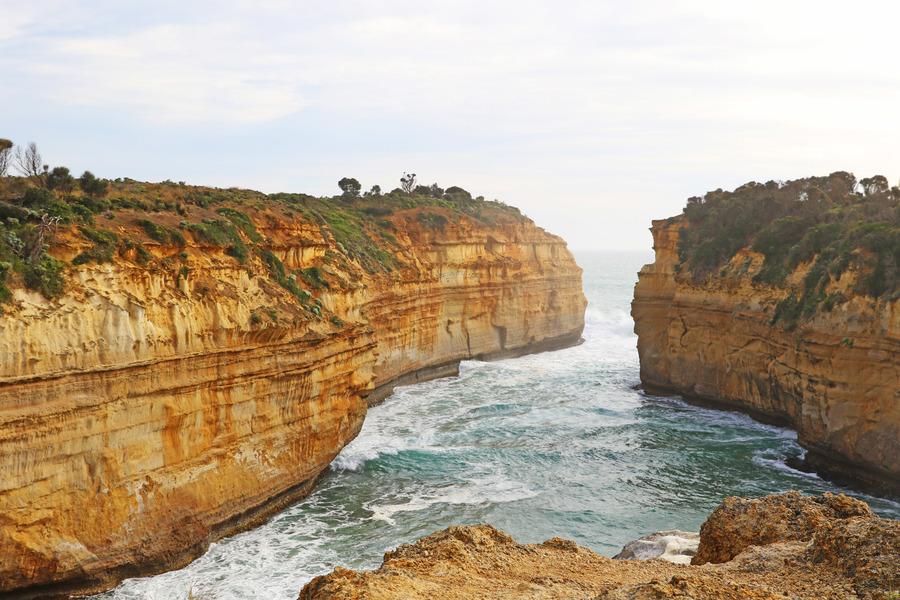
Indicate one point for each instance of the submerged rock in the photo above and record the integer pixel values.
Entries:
(784, 546)
(674, 546)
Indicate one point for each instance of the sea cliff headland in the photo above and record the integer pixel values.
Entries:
(179, 362)
(781, 299)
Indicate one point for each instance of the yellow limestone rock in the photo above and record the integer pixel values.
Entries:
(148, 411)
(836, 379)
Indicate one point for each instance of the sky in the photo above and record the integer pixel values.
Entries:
(592, 117)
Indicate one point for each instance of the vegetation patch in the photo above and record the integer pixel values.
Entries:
(432, 220)
(242, 222)
(833, 222)
(105, 243)
(45, 276)
(162, 234)
(278, 273)
(220, 233)
(314, 277)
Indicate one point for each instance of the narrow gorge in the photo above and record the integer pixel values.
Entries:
(204, 354)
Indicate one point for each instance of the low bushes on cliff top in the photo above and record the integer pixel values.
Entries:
(37, 206)
(837, 222)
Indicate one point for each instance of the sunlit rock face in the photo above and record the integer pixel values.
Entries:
(149, 411)
(835, 379)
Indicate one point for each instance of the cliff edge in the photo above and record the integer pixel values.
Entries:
(180, 362)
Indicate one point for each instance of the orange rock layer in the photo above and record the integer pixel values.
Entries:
(835, 379)
(145, 414)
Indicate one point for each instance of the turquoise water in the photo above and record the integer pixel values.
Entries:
(559, 443)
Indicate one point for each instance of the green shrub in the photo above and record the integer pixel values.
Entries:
(37, 197)
(162, 234)
(242, 222)
(222, 234)
(432, 220)
(142, 256)
(5, 293)
(45, 276)
(104, 249)
(277, 270)
(314, 277)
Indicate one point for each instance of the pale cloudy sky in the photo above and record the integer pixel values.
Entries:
(593, 117)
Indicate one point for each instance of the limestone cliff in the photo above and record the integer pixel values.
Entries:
(835, 377)
(184, 387)
(786, 546)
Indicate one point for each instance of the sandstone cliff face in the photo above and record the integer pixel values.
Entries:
(836, 379)
(150, 410)
(787, 546)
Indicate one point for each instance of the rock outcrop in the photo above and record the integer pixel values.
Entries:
(161, 403)
(839, 550)
(835, 378)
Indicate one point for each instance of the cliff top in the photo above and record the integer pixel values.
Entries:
(783, 546)
(822, 238)
(50, 224)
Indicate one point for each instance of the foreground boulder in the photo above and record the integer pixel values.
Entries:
(783, 546)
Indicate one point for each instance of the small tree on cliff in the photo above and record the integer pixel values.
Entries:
(350, 187)
(877, 184)
(408, 182)
(60, 179)
(6, 147)
(30, 164)
(90, 185)
(457, 193)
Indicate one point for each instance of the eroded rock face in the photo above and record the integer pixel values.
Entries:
(838, 550)
(742, 522)
(835, 379)
(148, 411)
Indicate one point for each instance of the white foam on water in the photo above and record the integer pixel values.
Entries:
(764, 459)
(484, 490)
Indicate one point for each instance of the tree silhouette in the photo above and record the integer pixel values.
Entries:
(349, 186)
(90, 185)
(408, 182)
(5, 156)
(60, 179)
(30, 164)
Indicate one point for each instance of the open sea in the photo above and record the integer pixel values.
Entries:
(554, 444)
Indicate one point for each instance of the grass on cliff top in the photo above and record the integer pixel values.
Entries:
(36, 221)
(836, 223)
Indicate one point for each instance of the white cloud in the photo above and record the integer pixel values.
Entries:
(591, 101)
(170, 73)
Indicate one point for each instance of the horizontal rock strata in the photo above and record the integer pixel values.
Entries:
(835, 379)
(149, 410)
